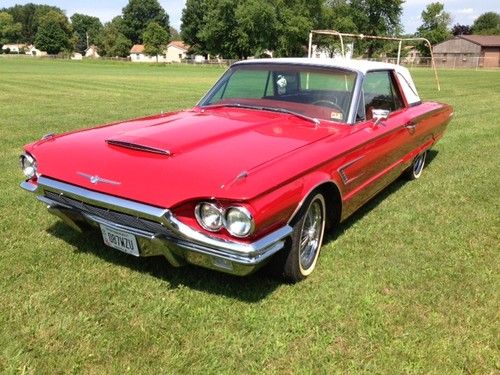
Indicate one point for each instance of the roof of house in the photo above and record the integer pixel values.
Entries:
(179, 44)
(137, 48)
(483, 40)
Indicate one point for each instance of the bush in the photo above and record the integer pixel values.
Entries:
(6, 51)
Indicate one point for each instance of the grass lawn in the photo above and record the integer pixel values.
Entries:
(410, 284)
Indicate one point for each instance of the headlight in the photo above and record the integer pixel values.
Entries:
(209, 216)
(239, 222)
(28, 165)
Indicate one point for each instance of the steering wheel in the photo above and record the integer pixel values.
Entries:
(329, 103)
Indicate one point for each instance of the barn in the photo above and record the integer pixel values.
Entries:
(469, 51)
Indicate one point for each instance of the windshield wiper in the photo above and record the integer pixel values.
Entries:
(314, 120)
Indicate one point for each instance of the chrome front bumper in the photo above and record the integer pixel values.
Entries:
(157, 230)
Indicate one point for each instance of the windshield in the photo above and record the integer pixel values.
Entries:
(315, 92)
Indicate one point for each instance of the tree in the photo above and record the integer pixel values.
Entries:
(137, 15)
(193, 22)
(294, 20)
(174, 34)
(434, 27)
(376, 17)
(85, 27)
(337, 15)
(487, 24)
(219, 35)
(112, 42)
(29, 16)
(256, 20)
(10, 31)
(155, 39)
(458, 29)
(54, 33)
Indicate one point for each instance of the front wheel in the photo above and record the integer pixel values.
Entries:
(305, 240)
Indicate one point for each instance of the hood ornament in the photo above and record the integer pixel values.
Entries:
(94, 179)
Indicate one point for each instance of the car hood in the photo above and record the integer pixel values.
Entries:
(167, 159)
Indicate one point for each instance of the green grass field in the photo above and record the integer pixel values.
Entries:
(410, 284)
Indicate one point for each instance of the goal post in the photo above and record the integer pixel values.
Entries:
(341, 36)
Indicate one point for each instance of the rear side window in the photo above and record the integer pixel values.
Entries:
(381, 92)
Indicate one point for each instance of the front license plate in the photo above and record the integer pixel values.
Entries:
(120, 240)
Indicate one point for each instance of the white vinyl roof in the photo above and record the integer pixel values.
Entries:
(361, 66)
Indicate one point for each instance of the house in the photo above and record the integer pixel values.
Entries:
(410, 55)
(176, 51)
(14, 48)
(76, 56)
(33, 51)
(469, 51)
(137, 55)
(92, 52)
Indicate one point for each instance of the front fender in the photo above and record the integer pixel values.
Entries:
(280, 206)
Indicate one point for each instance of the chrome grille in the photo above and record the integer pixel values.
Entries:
(113, 216)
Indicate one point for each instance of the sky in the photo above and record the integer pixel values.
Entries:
(462, 11)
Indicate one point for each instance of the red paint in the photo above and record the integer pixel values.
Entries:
(285, 157)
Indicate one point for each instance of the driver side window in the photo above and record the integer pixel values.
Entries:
(380, 91)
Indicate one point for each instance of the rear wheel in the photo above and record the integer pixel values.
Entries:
(305, 241)
(417, 166)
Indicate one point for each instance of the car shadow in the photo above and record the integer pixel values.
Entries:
(332, 235)
(251, 289)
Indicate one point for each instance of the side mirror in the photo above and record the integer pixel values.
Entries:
(379, 114)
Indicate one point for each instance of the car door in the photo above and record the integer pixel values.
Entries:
(374, 161)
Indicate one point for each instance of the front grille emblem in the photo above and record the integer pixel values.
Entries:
(94, 179)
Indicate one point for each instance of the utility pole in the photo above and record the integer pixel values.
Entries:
(87, 34)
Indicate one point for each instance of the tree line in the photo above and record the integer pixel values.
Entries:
(228, 28)
(50, 30)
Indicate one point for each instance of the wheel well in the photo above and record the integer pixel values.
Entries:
(333, 201)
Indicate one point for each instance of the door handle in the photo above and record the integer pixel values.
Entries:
(411, 125)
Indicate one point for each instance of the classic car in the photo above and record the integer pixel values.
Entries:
(277, 151)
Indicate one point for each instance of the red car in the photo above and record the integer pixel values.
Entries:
(275, 152)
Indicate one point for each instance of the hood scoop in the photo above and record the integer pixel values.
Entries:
(139, 147)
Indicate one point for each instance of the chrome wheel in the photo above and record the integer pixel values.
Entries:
(418, 165)
(310, 237)
(302, 248)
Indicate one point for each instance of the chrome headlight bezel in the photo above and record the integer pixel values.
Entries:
(28, 165)
(249, 223)
(201, 216)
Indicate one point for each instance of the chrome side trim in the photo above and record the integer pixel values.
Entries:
(345, 178)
